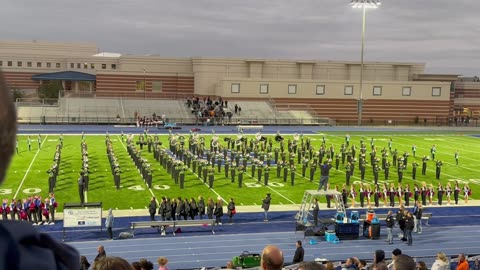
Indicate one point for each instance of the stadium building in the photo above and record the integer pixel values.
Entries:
(392, 93)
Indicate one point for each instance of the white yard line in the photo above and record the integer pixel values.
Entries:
(29, 167)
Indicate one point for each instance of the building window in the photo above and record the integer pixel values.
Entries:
(264, 88)
(406, 91)
(292, 89)
(57, 65)
(140, 85)
(348, 90)
(29, 64)
(1, 63)
(92, 66)
(157, 86)
(72, 65)
(104, 66)
(114, 66)
(39, 64)
(49, 65)
(320, 90)
(377, 90)
(235, 88)
(9, 63)
(85, 65)
(19, 64)
(436, 91)
(79, 65)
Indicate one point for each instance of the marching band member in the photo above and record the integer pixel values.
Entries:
(407, 194)
(423, 193)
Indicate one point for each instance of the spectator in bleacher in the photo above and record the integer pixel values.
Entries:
(100, 253)
(476, 265)
(299, 252)
(329, 266)
(404, 262)
(349, 265)
(136, 266)
(362, 265)
(379, 259)
(395, 253)
(409, 225)
(421, 266)
(21, 245)
(162, 262)
(390, 223)
(441, 262)
(106, 263)
(311, 266)
(145, 264)
(272, 258)
(462, 262)
(84, 264)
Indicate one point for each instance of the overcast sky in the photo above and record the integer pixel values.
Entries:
(444, 34)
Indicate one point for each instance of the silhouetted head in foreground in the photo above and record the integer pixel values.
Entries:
(8, 127)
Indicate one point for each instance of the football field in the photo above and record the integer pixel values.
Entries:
(28, 175)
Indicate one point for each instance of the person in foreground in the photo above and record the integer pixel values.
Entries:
(21, 245)
(272, 258)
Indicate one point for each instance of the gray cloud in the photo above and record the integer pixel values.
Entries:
(442, 33)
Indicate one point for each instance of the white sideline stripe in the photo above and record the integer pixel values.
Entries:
(29, 167)
(149, 189)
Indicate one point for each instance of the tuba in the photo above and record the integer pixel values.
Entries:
(214, 142)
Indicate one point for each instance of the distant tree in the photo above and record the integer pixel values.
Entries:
(50, 90)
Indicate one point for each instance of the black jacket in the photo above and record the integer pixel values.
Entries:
(298, 257)
(390, 221)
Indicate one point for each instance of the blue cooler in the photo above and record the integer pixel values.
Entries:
(354, 217)
(339, 217)
(330, 236)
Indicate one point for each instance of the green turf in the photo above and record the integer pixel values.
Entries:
(27, 174)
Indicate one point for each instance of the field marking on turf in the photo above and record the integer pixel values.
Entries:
(444, 146)
(272, 189)
(29, 167)
(149, 189)
(205, 183)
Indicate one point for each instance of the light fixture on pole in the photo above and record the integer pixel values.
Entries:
(364, 5)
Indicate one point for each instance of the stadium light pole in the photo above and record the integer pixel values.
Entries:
(144, 83)
(364, 5)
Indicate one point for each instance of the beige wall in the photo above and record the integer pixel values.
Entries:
(209, 72)
(250, 88)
